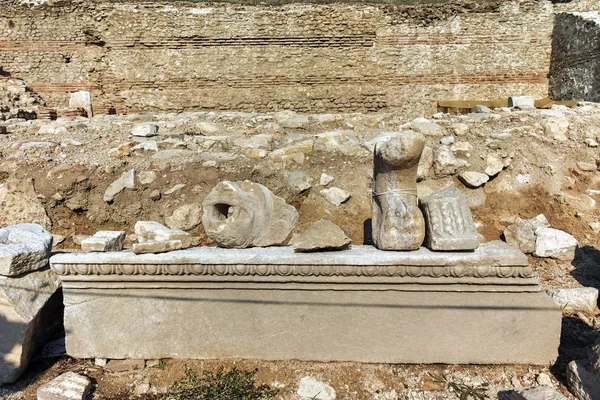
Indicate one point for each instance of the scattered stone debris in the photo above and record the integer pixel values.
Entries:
(473, 179)
(185, 217)
(583, 380)
(310, 388)
(299, 181)
(335, 195)
(322, 235)
(125, 365)
(427, 128)
(478, 109)
(153, 232)
(68, 386)
(104, 241)
(522, 102)
(154, 246)
(20, 203)
(83, 100)
(325, 179)
(145, 130)
(531, 393)
(125, 181)
(521, 234)
(554, 243)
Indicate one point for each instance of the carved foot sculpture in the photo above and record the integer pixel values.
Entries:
(397, 220)
(246, 214)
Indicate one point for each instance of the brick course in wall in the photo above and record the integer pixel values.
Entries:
(178, 56)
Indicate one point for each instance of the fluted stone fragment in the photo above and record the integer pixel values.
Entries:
(246, 214)
(397, 220)
(448, 220)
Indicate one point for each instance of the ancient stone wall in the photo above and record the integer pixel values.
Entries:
(575, 66)
(180, 56)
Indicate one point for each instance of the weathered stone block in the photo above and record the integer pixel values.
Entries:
(322, 235)
(246, 214)
(82, 99)
(151, 231)
(24, 248)
(451, 305)
(104, 241)
(30, 312)
(20, 204)
(154, 246)
(68, 386)
(448, 221)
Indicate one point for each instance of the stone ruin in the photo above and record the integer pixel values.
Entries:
(443, 303)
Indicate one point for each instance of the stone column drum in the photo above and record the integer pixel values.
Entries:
(397, 220)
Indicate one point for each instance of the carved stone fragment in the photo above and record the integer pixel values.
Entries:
(449, 221)
(397, 221)
(246, 214)
(24, 248)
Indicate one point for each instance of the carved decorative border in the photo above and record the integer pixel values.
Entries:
(397, 271)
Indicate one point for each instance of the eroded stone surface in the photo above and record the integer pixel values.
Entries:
(448, 221)
(24, 248)
(151, 231)
(82, 99)
(104, 241)
(521, 234)
(125, 181)
(20, 204)
(310, 388)
(582, 381)
(68, 386)
(30, 312)
(335, 195)
(185, 217)
(246, 214)
(322, 235)
(554, 243)
(397, 221)
(154, 246)
(575, 299)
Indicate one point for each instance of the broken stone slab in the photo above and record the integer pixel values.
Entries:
(335, 195)
(145, 130)
(299, 181)
(20, 204)
(24, 248)
(481, 109)
(151, 231)
(425, 164)
(125, 365)
(30, 313)
(444, 162)
(494, 165)
(521, 234)
(397, 220)
(554, 243)
(68, 386)
(154, 246)
(583, 381)
(473, 179)
(448, 221)
(125, 181)
(427, 128)
(104, 241)
(291, 120)
(310, 388)
(246, 214)
(531, 393)
(325, 179)
(82, 99)
(322, 235)
(575, 299)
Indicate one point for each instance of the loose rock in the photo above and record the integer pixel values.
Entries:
(575, 299)
(521, 234)
(125, 181)
(480, 109)
(68, 386)
(145, 130)
(473, 179)
(322, 235)
(185, 217)
(532, 393)
(310, 388)
(325, 179)
(24, 248)
(335, 195)
(427, 128)
(494, 165)
(444, 162)
(299, 181)
(582, 381)
(554, 243)
(154, 246)
(104, 241)
(20, 204)
(150, 231)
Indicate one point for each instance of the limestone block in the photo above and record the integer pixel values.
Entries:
(82, 99)
(104, 241)
(325, 179)
(554, 243)
(575, 299)
(68, 386)
(523, 102)
(426, 127)
(147, 231)
(291, 120)
(322, 235)
(444, 162)
(154, 246)
(246, 214)
(480, 109)
(30, 313)
(448, 221)
(473, 179)
(299, 181)
(185, 217)
(494, 165)
(24, 248)
(397, 221)
(521, 234)
(145, 130)
(425, 164)
(125, 181)
(20, 204)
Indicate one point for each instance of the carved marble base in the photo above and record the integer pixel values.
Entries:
(362, 305)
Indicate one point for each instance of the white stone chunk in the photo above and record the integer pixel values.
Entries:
(521, 234)
(325, 179)
(473, 179)
(575, 299)
(554, 243)
(583, 381)
(24, 248)
(310, 388)
(153, 231)
(427, 128)
(185, 217)
(104, 241)
(335, 195)
(145, 130)
(82, 99)
(523, 102)
(444, 162)
(68, 386)
(299, 181)
(494, 165)
(125, 181)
